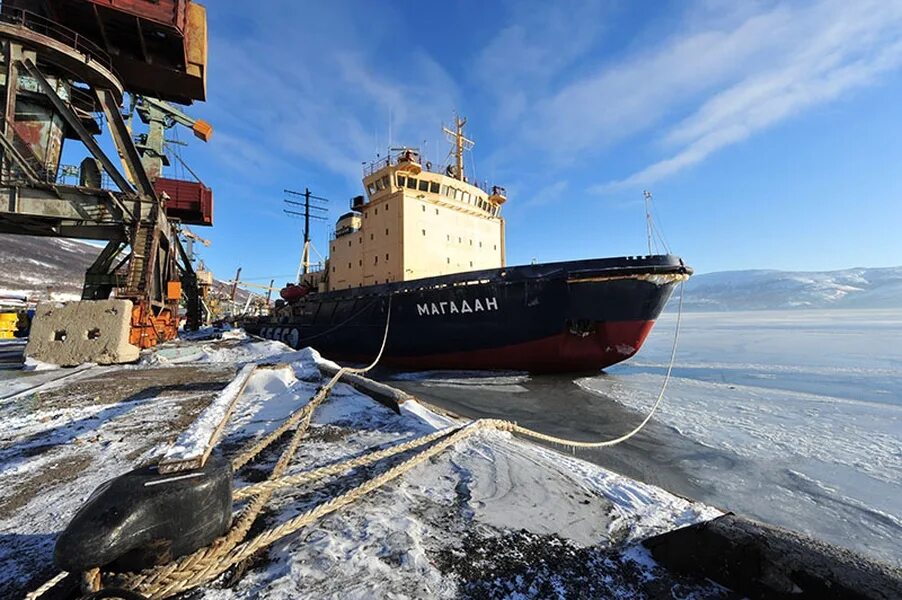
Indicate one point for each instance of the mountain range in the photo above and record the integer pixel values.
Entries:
(54, 268)
(780, 290)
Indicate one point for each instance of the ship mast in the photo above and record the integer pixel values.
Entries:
(461, 143)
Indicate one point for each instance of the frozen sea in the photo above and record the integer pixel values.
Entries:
(790, 417)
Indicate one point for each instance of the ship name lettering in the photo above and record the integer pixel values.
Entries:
(452, 307)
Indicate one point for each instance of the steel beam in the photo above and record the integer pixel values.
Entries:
(123, 140)
(75, 123)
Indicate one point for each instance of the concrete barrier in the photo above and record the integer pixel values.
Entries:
(73, 333)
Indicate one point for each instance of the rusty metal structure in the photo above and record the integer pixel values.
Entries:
(65, 68)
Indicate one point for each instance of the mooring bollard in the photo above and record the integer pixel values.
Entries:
(144, 518)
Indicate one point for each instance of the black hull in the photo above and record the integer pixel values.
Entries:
(568, 316)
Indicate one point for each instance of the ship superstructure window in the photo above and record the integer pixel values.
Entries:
(379, 185)
(371, 188)
(423, 206)
(401, 180)
(411, 183)
(424, 185)
(386, 182)
(433, 187)
(424, 232)
(466, 197)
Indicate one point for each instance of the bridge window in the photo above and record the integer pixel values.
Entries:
(411, 183)
(466, 197)
(379, 186)
(371, 189)
(424, 185)
(433, 187)
(401, 180)
(444, 190)
(385, 181)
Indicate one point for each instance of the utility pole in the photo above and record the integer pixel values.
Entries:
(304, 267)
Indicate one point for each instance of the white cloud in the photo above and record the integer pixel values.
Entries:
(829, 49)
(322, 95)
(720, 73)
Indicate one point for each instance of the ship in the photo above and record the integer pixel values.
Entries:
(417, 270)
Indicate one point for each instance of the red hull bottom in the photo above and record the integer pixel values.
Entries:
(611, 343)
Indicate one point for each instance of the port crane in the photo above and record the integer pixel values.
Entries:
(64, 64)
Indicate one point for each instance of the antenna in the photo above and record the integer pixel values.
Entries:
(304, 266)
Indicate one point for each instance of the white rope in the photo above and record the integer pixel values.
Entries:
(638, 428)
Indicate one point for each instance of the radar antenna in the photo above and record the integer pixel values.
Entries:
(461, 143)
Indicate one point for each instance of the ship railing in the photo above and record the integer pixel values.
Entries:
(52, 29)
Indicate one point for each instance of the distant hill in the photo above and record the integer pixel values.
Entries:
(772, 290)
(44, 268)
(54, 268)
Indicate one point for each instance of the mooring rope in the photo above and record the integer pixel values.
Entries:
(208, 563)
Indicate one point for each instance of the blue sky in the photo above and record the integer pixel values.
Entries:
(769, 133)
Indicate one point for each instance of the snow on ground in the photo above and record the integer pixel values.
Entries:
(802, 409)
(494, 516)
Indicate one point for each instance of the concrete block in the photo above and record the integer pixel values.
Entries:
(73, 333)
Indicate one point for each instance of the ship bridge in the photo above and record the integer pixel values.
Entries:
(417, 222)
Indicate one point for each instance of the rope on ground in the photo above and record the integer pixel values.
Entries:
(163, 581)
(179, 580)
(49, 585)
(208, 563)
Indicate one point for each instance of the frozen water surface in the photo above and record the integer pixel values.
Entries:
(808, 404)
(793, 417)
